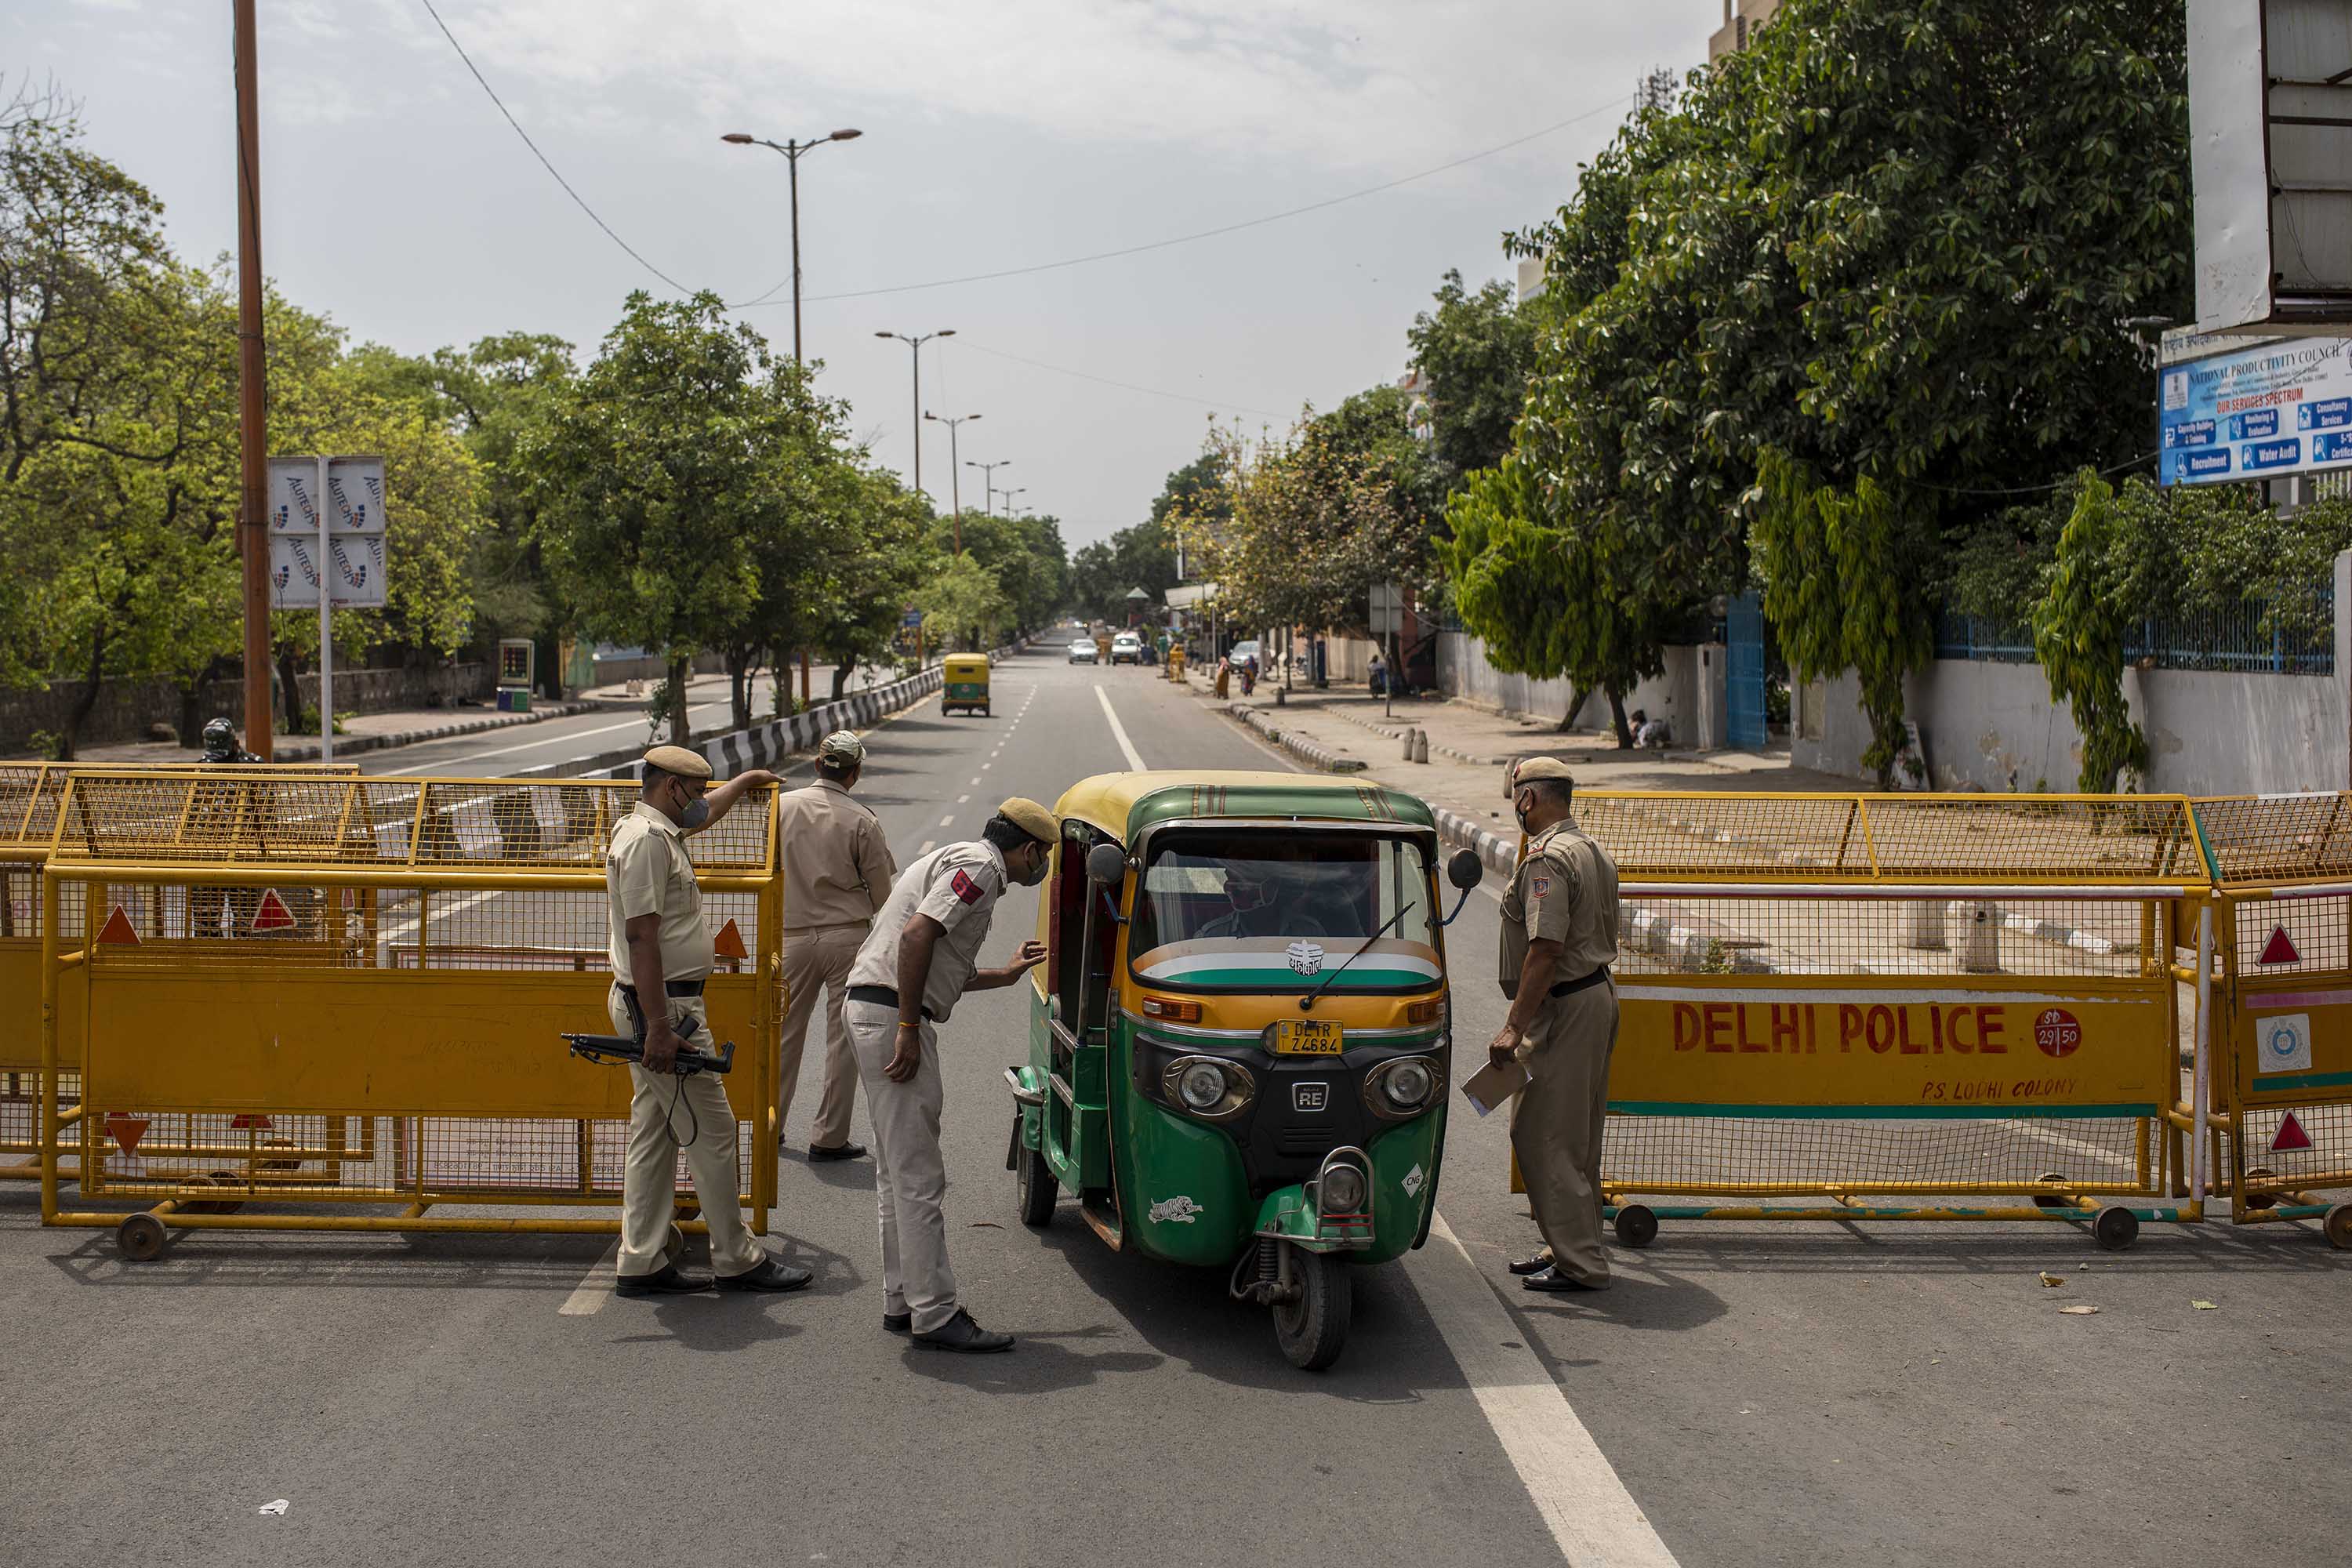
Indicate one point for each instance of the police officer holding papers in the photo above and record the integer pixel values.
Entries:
(661, 957)
(1559, 936)
(921, 956)
(837, 871)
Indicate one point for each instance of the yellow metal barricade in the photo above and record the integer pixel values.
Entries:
(1896, 1007)
(340, 999)
(29, 794)
(2281, 1119)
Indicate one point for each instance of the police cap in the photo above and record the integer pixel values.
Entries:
(842, 746)
(1533, 768)
(1029, 817)
(679, 761)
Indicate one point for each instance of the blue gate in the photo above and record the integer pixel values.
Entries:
(1743, 672)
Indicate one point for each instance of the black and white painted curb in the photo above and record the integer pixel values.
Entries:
(348, 744)
(1399, 732)
(1313, 754)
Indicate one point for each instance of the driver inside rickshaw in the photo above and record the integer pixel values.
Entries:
(1275, 893)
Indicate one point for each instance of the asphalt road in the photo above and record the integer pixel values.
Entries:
(1767, 1394)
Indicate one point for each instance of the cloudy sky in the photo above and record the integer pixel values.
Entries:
(998, 134)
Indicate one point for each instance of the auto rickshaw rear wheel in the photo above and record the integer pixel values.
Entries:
(1312, 1326)
(1035, 1180)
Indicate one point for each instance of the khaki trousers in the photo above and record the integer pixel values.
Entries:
(1556, 1128)
(649, 1172)
(817, 960)
(910, 1176)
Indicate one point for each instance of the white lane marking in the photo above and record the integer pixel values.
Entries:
(929, 844)
(946, 822)
(1118, 730)
(983, 768)
(636, 723)
(1593, 1519)
(976, 780)
(595, 1287)
(965, 799)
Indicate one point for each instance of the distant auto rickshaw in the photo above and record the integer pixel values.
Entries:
(964, 681)
(1240, 1046)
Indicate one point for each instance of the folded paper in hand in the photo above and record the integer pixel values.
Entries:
(1493, 1084)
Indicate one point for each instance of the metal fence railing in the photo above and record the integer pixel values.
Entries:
(2242, 639)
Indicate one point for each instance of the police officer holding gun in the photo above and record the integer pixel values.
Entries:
(661, 957)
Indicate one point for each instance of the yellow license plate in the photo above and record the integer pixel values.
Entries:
(1308, 1038)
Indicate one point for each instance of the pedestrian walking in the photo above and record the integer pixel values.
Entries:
(837, 871)
(1560, 937)
(661, 957)
(922, 955)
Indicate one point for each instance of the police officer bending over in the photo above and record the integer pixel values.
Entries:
(1560, 937)
(661, 956)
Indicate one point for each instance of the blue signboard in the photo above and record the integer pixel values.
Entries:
(2264, 412)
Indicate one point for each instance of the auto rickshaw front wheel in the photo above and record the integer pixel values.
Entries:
(1311, 1325)
(1034, 1179)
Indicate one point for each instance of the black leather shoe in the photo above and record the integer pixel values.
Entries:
(838, 1151)
(897, 1322)
(1535, 1265)
(1554, 1280)
(669, 1280)
(766, 1275)
(961, 1334)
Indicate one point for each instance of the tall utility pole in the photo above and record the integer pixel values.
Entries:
(916, 344)
(253, 436)
(987, 481)
(791, 151)
(955, 486)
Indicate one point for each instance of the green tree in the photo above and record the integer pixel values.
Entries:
(654, 475)
(1475, 352)
(963, 604)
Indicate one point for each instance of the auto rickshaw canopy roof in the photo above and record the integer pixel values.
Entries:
(1124, 804)
(964, 666)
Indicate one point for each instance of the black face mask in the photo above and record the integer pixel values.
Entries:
(1035, 874)
(1520, 812)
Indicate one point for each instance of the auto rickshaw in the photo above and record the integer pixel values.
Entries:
(964, 683)
(1240, 1049)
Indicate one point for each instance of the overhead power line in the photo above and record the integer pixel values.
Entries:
(535, 153)
(1123, 385)
(1556, 125)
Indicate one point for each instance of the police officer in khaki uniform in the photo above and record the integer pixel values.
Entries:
(661, 956)
(922, 955)
(837, 871)
(1560, 937)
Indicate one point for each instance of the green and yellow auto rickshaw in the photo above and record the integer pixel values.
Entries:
(963, 678)
(1239, 1052)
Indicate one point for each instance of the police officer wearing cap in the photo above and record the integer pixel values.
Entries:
(1560, 937)
(661, 956)
(922, 955)
(837, 871)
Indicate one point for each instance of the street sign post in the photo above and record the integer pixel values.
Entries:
(326, 548)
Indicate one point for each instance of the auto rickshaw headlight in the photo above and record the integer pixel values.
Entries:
(1407, 1085)
(1200, 1085)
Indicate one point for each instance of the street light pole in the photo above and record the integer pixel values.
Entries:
(1008, 496)
(792, 149)
(987, 481)
(916, 344)
(955, 485)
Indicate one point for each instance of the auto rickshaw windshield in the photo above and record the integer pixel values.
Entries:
(1245, 908)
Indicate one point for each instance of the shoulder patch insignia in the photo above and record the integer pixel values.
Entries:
(965, 888)
(1540, 887)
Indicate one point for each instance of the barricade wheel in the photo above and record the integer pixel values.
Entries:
(2338, 1225)
(2257, 1195)
(2053, 1200)
(1637, 1225)
(140, 1237)
(2115, 1229)
(674, 1247)
(210, 1206)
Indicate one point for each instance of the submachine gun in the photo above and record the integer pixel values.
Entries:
(691, 1059)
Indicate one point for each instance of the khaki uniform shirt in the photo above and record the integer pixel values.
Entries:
(837, 864)
(1564, 891)
(647, 872)
(957, 885)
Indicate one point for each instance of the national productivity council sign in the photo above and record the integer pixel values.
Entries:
(2282, 406)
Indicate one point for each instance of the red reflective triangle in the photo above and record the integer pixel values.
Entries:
(271, 913)
(730, 943)
(245, 1119)
(126, 1129)
(2280, 949)
(117, 931)
(2290, 1135)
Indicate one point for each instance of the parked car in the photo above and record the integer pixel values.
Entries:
(1082, 650)
(1126, 648)
(1244, 653)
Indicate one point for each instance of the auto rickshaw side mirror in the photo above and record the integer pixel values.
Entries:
(1106, 864)
(1463, 870)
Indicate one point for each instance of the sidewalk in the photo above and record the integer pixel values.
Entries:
(361, 732)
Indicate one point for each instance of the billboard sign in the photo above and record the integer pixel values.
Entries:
(2280, 407)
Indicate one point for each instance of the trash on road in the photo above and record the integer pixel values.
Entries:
(2052, 1280)
(2078, 1311)
(277, 1507)
(2206, 1306)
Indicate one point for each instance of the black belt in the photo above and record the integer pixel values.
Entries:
(884, 995)
(1583, 983)
(669, 988)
